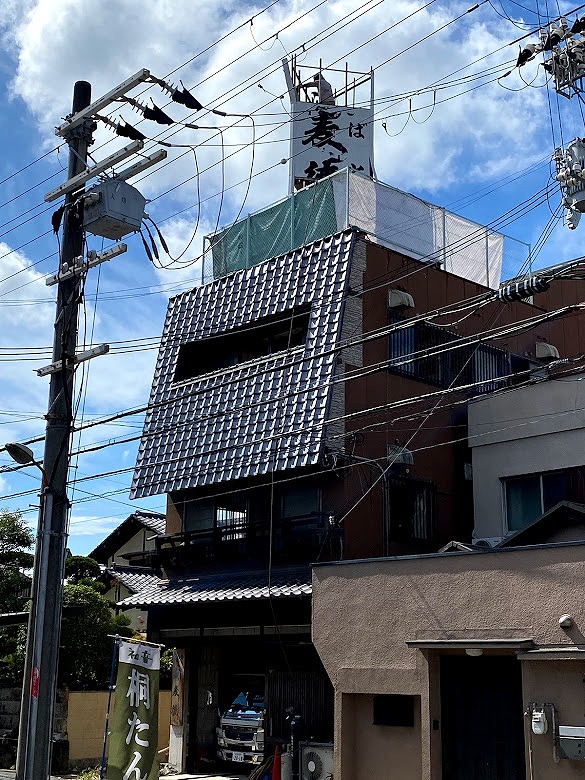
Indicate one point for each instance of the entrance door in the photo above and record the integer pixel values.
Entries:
(482, 718)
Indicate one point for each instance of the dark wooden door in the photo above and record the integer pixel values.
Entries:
(482, 718)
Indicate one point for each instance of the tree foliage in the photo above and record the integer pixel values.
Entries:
(88, 622)
(86, 643)
(80, 567)
(16, 540)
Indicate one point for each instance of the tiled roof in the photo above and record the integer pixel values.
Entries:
(154, 521)
(224, 587)
(135, 579)
(259, 416)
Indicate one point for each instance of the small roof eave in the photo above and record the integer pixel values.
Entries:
(557, 653)
(495, 643)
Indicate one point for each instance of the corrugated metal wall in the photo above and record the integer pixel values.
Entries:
(309, 693)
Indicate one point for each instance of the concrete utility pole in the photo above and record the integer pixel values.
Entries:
(44, 628)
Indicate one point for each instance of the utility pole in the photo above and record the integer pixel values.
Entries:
(35, 737)
(44, 628)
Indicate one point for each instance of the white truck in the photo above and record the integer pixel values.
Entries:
(240, 734)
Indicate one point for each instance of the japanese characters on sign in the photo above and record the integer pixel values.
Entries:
(177, 686)
(134, 734)
(327, 138)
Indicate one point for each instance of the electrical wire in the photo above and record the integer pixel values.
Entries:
(279, 481)
(498, 333)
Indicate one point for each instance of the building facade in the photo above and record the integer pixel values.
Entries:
(441, 663)
(126, 557)
(470, 662)
(311, 408)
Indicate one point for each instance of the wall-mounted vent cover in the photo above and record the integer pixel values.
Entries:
(545, 351)
(398, 299)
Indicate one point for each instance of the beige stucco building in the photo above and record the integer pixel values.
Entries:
(470, 663)
(394, 635)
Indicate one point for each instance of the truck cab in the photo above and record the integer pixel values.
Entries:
(240, 734)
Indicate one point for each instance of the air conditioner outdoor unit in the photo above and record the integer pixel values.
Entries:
(316, 761)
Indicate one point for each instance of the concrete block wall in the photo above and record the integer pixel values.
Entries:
(80, 719)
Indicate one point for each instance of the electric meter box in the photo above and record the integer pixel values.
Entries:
(572, 742)
(113, 209)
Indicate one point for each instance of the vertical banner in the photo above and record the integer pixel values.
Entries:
(134, 730)
(177, 686)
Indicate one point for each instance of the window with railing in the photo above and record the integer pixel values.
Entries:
(228, 521)
(410, 510)
(232, 522)
(291, 518)
(430, 354)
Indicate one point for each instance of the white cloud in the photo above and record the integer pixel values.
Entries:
(26, 326)
(54, 38)
(90, 525)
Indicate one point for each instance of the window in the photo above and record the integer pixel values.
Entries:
(254, 340)
(198, 516)
(410, 510)
(394, 710)
(530, 496)
(229, 519)
(232, 522)
(447, 367)
(301, 501)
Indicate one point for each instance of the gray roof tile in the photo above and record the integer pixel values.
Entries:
(225, 587)
(134, 579)
(154, 521)
(262, 415)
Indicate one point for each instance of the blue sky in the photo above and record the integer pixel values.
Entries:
(483, 149)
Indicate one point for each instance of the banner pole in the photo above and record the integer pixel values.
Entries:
(110, 691)
(130, 639)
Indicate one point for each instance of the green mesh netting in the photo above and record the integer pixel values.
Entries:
(304, 217)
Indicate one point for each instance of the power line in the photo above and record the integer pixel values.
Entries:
(500, 332)
(298, 477)
(185, 182)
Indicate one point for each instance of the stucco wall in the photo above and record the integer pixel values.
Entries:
(525, 431)
(560, 683)
(86, 719)
(142, 540)
(378, 751)
(364, 613)
(138, 617)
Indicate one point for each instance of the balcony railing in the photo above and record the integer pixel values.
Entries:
(299, 539)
